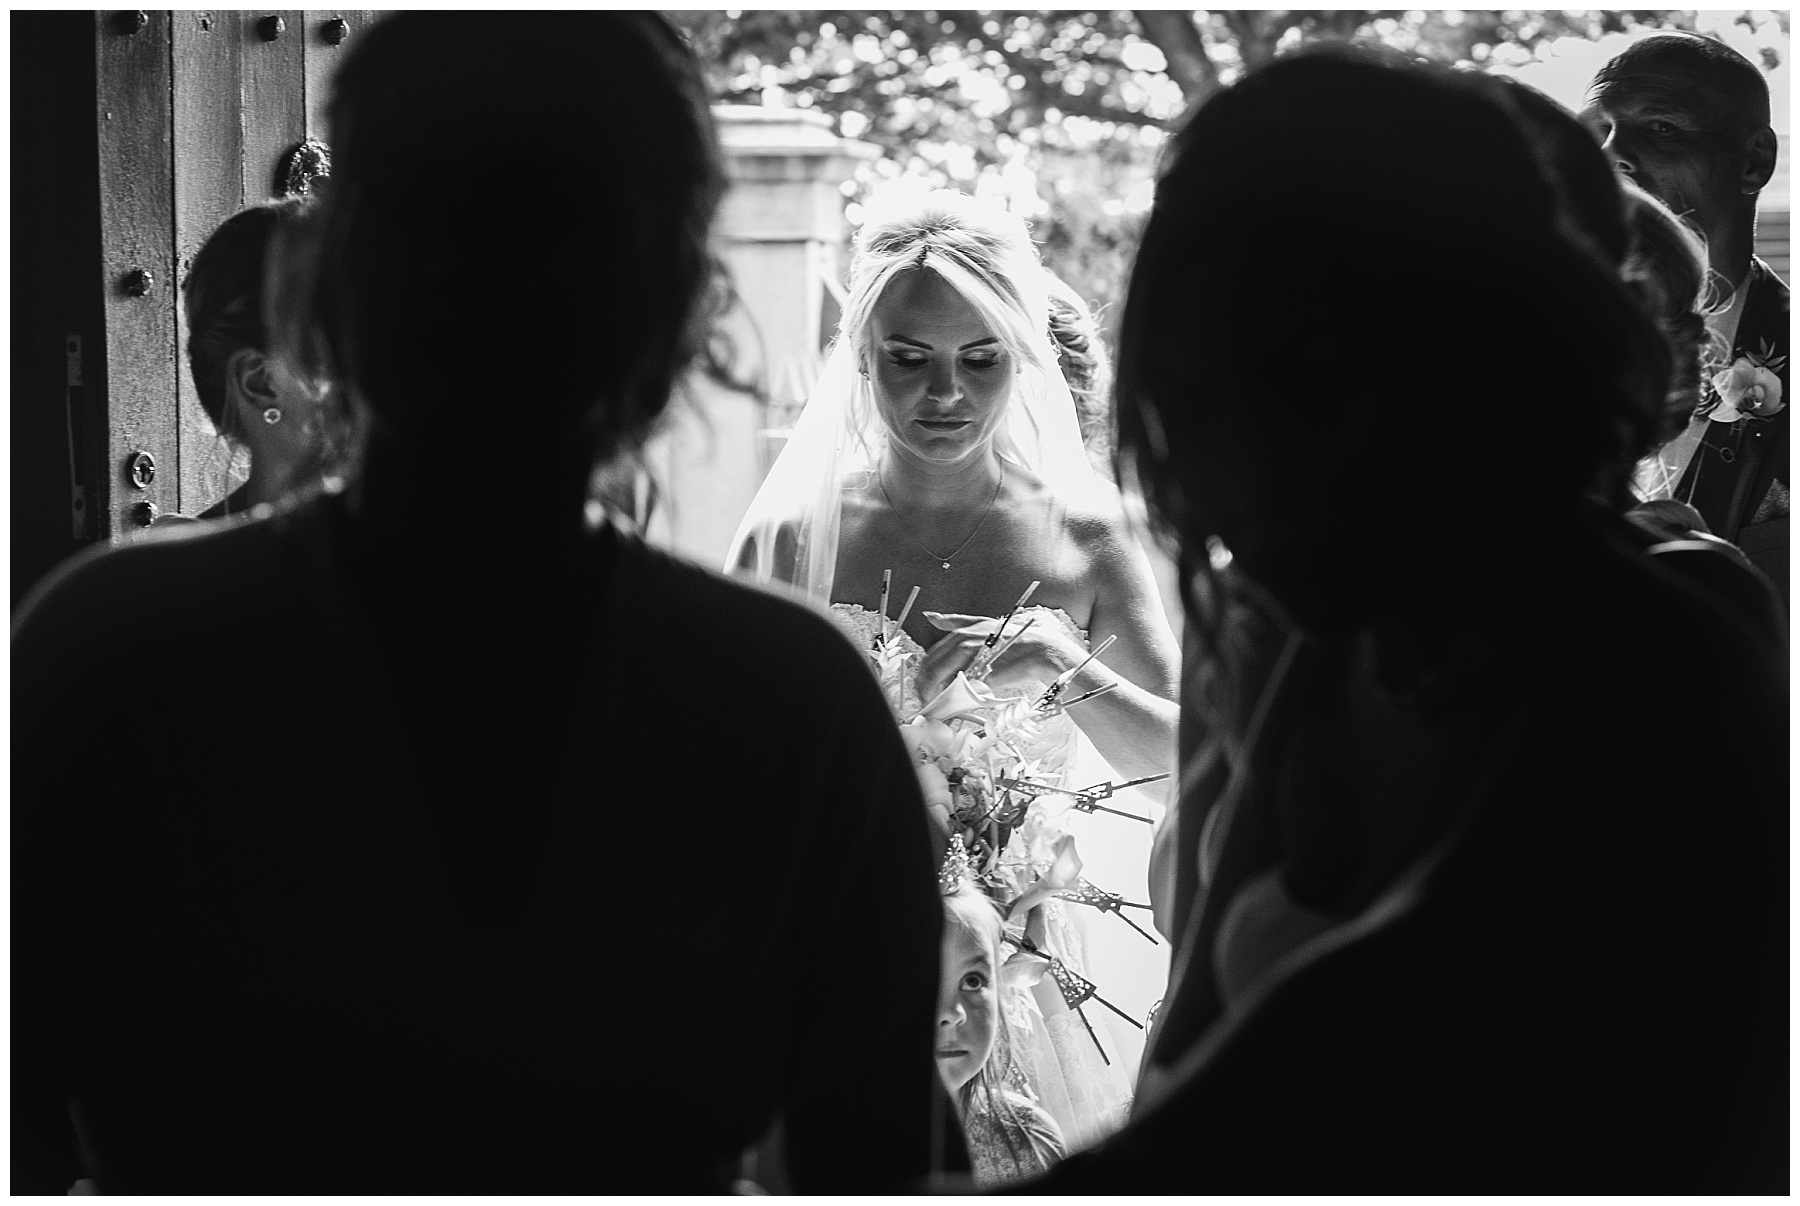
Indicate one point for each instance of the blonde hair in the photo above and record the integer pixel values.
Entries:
(1086, 367)
(978, 249)
(1666, 267)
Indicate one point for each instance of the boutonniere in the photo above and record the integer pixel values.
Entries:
(1749, 387)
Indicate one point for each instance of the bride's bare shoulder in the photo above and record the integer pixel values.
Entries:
(1094, 515)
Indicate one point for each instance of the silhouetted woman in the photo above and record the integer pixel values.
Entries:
(510, 856)
(1486, 908)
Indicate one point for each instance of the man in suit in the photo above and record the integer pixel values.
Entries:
(1687, 118)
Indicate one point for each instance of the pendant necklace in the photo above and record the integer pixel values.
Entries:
(944, 560)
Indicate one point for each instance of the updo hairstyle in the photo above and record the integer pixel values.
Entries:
(223, 296)
(1344, 240)
(1086, 367)
(1667, 268)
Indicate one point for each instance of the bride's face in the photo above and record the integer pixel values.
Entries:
(942, 379)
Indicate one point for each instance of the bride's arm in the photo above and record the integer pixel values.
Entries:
(1132, 725)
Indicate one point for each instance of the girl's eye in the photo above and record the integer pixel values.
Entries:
(985, 363)
(909, 362)
(974, 982)
(1662, 127)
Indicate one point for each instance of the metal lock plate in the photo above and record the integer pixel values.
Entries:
(141, 470)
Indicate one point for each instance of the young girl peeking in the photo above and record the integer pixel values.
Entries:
(1009, 1136)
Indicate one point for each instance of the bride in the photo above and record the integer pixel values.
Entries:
(940, 450)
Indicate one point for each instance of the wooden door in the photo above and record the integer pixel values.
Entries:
(135, 134)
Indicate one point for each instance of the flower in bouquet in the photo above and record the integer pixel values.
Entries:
(962, 699)
(935, 741)
(1030, 738)
(945, 752)
(934, 785)
(1033, 845)
(1061, 875)
(963, 740)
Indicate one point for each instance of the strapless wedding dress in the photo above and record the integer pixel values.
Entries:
(1086, 1092)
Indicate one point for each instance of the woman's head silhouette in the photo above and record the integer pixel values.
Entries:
(1362, 282)
(513, 252)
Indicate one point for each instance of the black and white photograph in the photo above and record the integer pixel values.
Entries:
(733, 602)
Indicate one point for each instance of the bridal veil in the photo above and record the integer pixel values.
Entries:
(790, 532)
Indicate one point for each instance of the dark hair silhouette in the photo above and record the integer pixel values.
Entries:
(223, 295)
(1585, 181)
(561, 268)
(1377, 271)
(1651, 248)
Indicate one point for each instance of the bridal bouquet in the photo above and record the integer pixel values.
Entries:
(990, 767)
(968, 746)
(980, 757)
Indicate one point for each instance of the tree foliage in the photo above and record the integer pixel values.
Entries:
(1064, 114)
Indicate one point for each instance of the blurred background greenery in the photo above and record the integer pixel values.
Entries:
(1062, 115)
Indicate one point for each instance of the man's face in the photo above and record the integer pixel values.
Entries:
(1673, 139)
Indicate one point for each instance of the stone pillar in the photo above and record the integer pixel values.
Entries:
(780, 231)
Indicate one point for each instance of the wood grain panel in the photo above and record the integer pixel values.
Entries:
(137, 227)
(207, 50)
(274, 100)
(323, 57)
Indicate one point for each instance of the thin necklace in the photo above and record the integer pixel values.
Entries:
(944, 560)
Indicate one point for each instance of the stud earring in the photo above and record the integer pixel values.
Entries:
(272, 415)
